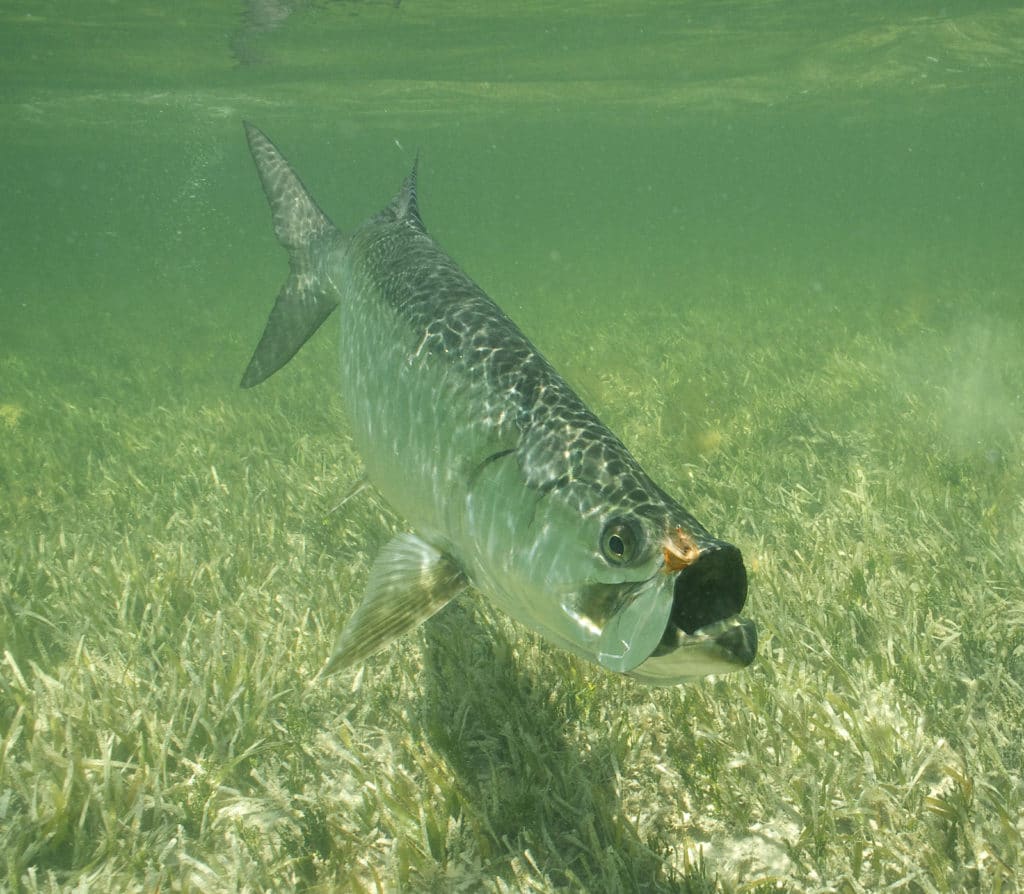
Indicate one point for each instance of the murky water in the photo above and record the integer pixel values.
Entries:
(777, 246)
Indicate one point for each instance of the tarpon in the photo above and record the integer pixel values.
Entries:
(508, 482)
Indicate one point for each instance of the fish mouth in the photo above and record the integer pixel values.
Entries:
(719, 648)
(705, 633)
(709, 589)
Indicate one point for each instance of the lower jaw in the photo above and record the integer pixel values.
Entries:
(720, 648)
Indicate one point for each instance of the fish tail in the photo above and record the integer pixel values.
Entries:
(307, 297)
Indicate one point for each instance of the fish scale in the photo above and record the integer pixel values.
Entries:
(507, 480)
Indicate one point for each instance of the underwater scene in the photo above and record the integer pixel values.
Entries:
(777, 248)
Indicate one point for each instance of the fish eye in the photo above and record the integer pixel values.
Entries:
(620, 541)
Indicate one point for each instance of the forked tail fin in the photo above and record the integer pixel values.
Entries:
(307, 298)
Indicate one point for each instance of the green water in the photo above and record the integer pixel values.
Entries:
(779, 247)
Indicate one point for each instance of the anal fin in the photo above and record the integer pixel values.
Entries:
(410, 581)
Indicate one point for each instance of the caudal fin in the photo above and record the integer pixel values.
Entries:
(306, 299)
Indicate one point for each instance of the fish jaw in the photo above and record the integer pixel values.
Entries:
(718, 648)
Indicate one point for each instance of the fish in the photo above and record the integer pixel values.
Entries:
(508, 483)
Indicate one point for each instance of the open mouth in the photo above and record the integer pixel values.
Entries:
(705, 634)
(687, 623)
(712, 588)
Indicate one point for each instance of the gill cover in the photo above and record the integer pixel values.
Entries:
(634, 631)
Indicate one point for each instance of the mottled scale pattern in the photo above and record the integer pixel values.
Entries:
(511, 395)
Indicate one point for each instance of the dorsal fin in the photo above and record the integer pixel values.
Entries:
(403, 206)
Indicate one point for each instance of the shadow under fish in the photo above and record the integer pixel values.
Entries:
(521, 784)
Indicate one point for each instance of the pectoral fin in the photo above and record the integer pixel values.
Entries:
(409, 581)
